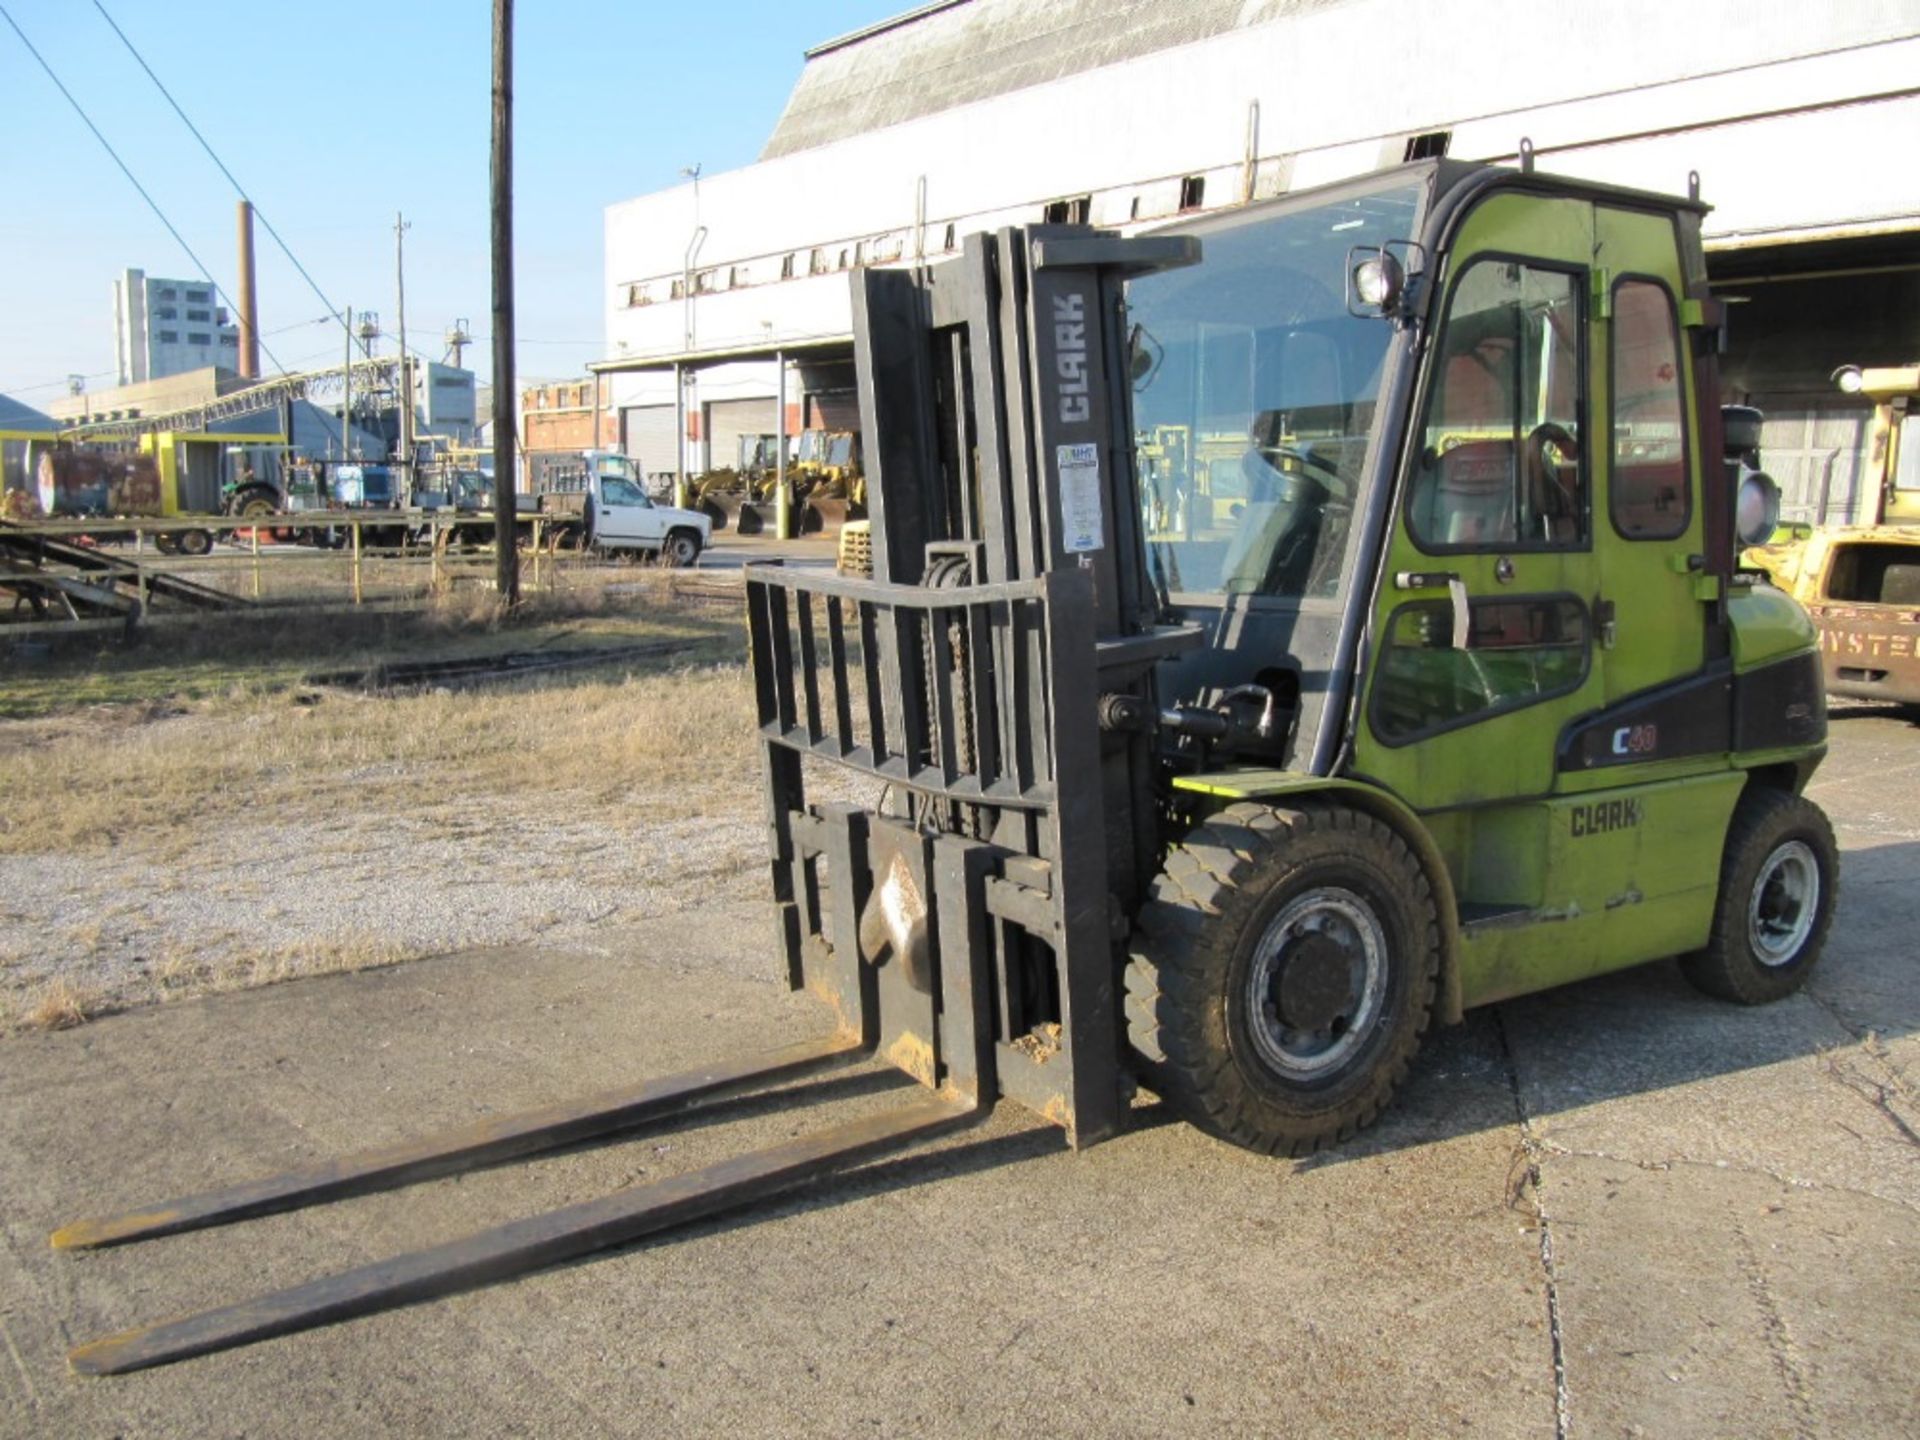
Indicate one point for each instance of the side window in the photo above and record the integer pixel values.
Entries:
(1500, 465)
(1519, 650)
(1650, 490)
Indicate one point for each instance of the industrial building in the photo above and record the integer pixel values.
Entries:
(168, 327)
(444, 407)
(729, 292)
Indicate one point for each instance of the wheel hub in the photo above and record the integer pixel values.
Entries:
(1785, 901)
(1314, 984)
(1317, 982)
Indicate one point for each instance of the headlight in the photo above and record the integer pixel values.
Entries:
(1378, 282)
(1756, 509)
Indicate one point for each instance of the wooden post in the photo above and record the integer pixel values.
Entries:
(255, 533)
(356, 562)
(506, 558)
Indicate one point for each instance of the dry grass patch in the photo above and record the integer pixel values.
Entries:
(55, 1005)
(152, 774)
(270, 966)
(60, 1004)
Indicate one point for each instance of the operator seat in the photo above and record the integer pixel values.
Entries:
(1465, 495)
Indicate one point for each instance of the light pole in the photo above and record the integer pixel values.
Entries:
(681, 376)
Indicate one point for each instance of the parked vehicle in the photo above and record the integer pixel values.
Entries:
(615, 514)
(1861, 583)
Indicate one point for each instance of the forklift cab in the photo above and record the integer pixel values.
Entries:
(1453, 439)
(1520, 599)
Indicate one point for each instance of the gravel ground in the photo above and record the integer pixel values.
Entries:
(265, 900)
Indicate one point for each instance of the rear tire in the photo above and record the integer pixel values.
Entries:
(253, 504)
(1779, 879)
(1282, 974)
(194, 542)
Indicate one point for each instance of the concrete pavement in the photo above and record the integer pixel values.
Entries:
(1615, 1209)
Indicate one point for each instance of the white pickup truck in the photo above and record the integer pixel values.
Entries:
(615, 513)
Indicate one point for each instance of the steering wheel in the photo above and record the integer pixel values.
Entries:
(1554, 477)
(1305, 457)
(1546, 433)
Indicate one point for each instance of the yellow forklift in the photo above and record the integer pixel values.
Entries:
(1861, 583)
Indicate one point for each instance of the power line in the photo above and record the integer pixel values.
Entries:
(239, 189)
(52, 384)
(102, 374)
(152, 204)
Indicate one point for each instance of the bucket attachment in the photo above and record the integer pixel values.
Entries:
(824, 515)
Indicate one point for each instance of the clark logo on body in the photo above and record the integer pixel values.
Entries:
(1605, 815)
(1070, 361)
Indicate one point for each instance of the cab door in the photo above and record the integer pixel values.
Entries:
(1653, 532)
(1483, 639)
(625, 517)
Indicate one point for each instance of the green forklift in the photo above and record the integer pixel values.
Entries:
(1418, 675)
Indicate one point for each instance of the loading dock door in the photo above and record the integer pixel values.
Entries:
(646, 435)
(1817, 455)
(728, 420)
(833, 410)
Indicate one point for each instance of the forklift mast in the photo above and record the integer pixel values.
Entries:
(987, 680)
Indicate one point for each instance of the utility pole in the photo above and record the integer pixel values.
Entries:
(457, 340)
(506, 559)
(346, 378)
(400, 228)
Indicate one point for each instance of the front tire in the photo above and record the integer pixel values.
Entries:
(682, 548)
(1282, 974)
(1779, 878)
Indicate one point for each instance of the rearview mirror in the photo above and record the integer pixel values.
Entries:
(1756, 498)
(1756, 507)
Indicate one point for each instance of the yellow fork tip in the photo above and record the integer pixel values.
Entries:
(84, 1234)
(103, 1356)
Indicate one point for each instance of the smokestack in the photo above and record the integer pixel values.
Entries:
(249, 316)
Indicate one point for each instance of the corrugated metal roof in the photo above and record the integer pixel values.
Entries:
(15, 416)
(942, 55)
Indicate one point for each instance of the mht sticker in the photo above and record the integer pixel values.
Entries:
(1604, 815)
(1081, 525)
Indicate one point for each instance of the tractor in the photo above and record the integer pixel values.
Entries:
(1439, 685)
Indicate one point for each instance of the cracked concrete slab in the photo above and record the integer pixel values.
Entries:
(1705, 1301)
(1159, 1284)
(1729, 1239)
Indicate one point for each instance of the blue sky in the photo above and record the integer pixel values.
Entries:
(334, 117)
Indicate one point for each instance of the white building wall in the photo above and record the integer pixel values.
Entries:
(1787, 109)
(154, 336)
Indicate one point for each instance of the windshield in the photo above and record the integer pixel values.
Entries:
(1254, 398)
(617, 467)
